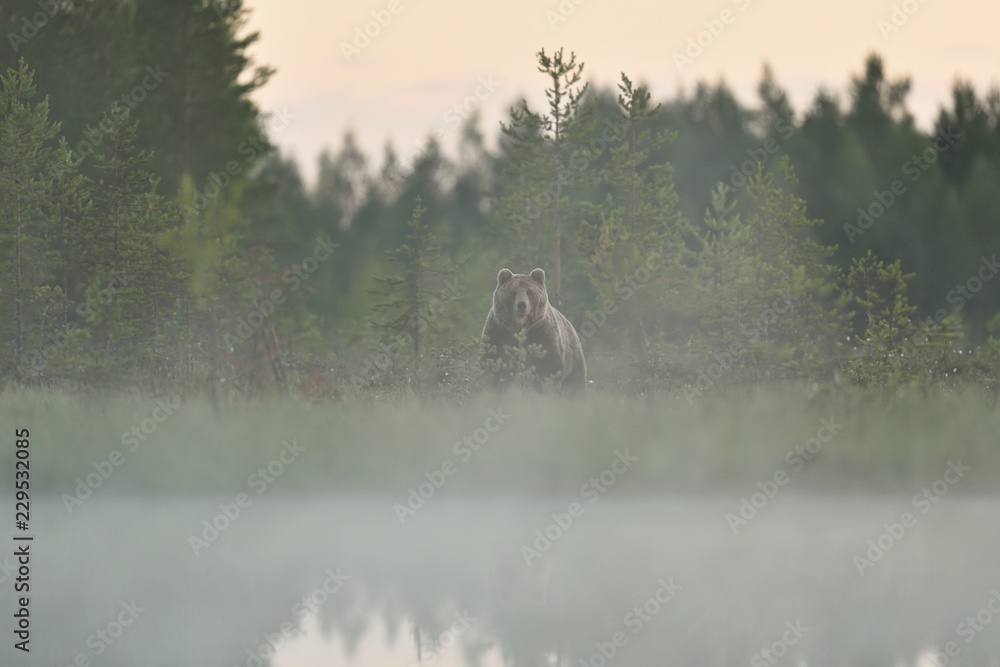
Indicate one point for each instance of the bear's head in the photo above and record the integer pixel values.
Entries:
(520, 301)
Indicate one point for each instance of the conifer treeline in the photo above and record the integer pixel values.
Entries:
(152, 237)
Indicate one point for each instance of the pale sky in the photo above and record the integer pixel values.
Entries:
(433, 54)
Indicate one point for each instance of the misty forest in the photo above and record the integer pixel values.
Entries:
(749, 280)
(154, 238)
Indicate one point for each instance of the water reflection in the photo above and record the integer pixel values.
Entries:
(639, 581)
(379, 646)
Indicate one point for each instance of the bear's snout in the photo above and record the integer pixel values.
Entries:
(521, 307)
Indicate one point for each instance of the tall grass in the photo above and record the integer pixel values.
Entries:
(547, 444)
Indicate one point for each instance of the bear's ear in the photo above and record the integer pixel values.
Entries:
(538, 276)
(504, 276)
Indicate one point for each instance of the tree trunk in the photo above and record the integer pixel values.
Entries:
(18, 278)
(557, 278)
(416, 294)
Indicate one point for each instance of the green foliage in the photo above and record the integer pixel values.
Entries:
(386, 440)
(880, 292)
(181, 68)
(549, 163)
(160, 243)
(638, 231)
(29, 210)
(985, 370)
(133, 283)
(895, 351)
(761, 289)
(516, 366)
(413, 306)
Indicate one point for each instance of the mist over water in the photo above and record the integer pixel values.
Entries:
(649, 580)
(769, 530)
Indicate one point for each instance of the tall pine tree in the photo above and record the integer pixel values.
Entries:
(29, 159)
(549, 161)
(639, 231)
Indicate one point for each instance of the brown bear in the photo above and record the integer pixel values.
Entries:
(520, 303)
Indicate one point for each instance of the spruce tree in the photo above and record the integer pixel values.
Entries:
(413, 304)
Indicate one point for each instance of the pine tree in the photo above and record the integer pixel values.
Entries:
(639, 231)
(342, 183)
(206, 117)
(413, 304)
(61, 334)
(549, 161)
(130, 278)
(718, 282)
(894, 349)
(777, 109)
(765, 294)
(791, 266)
(183, 68)
(29, 158)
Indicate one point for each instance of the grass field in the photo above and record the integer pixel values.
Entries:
(510, 444)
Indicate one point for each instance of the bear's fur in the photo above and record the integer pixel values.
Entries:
(521, 303)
